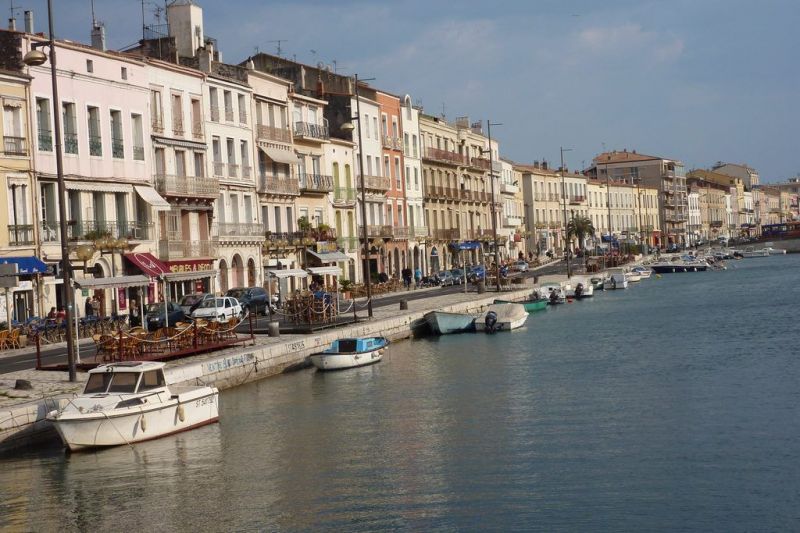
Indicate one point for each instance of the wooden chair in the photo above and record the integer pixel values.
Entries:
(13, 338)
(4, 338)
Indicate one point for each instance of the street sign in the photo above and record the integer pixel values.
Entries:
(8, 276)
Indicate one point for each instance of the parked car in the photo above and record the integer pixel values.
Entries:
(221, 309)
(477, 273)
(673, 248)
(521, 266)
(190, 302)
(458, 276)
(156, 317)
(445, 278)
(253, 299)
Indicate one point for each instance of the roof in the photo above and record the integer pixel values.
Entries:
(128, 366)
(627, 157)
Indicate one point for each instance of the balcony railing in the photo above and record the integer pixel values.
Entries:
(178, 249)
(138, 153)
(242, 117)
(575, 200)
(480, 162)
(311, 131)
(228, 114)
(117, 149)
(269, 184)
(273, 134)
(95, 145)
(157, 125)
(392, 143)
(451, 234)
(45, 140)
(91, 230)
(445, 156)
(348, 244)
(214, 113)
(20, 235)
(186, 186)
(177, 126)
(375, 183)
(219, 168)
(14, 145)
(197, 130)
(509, 188)
(315, 182)
(247, 171)
(376, 231)
(401, 232)
(233, 170)
(419, 231)
(512, 221)
(237, 229)
(70, 143)
(344, 196)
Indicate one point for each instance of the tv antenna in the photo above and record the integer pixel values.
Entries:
(279, 41)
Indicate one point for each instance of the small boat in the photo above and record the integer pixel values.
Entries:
(632, 276)
(529, 305)
(501, 317)
(579, 288)
(686, 263)
(442, 323)
(554, 293)
(774, 251)
(129, 402)
(643, 271)
(597, 282)
(754, 252)
(350, 353)
(616, 279)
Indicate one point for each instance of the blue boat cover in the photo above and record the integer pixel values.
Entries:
(26, 265)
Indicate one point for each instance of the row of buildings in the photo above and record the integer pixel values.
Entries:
(204, 175)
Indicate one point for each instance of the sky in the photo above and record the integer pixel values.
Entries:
(696, 80)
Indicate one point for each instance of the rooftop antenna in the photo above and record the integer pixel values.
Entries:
(279, 41)
(12, 20)
(444, 115)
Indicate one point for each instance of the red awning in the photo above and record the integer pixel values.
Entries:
(148, 264)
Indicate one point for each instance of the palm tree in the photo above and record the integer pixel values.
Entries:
(580, 228)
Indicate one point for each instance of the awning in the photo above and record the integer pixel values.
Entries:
(97, 186)
(148, 264)
(327, 270)
(26, 265)
(149, 195)
(329, 257)
(180, 143)
(190, 275)
(279, 156)
(119, 282)
(288, 273)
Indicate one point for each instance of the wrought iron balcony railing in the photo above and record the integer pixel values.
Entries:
(15, 145)
(278, 185)
(315, 182)
(187, 186)
(273, 134)
(306, 130)
(169, 249)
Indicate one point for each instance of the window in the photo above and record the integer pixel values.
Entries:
(95, 140)
(199, 166)
(123, 72)
(117, 146)
(138, 136)
(384, 125)
(197, 119)
(156, 110)
(416, 178)
(397, 175)
(70, 128)
(13, 136)
(45, 136)
(245, 158)
(228, 100)
(152, 379)
(177, 115)
(414, 144)
(366, 124)
(213, 99)
(89, 66)
(386, 170)
(375, 127)
(242, 109)
(395, 128)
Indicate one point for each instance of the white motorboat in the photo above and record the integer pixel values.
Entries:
(751, 251)
(632, 275)
(774, 251)
(643, 271)
(554, 293)
(350, 353)
(501, 317)
(616, 279)
(130, 402)
(580, 288)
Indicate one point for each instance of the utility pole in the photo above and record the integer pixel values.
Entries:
(489, 125)
(564, 203)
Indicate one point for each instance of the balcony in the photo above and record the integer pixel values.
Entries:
(479, 162)
(233, 170)
(539, 197)
(509, 188)
(214, 113)
(401, 232)
(95, 145)
(157, 125)
(444, 156)
(277, 185)
(450, 234)
(15, 145)
(20, 235)
(577, 200)
(375, 183)
(237, 230)
(344, 197)
(45, 140)
(242, 118)
(177, 126)
(392, 143)
(554, 197)
(187, 186)
(70, 143)
(512, 222)
(272, 133)
(305, 130)
(169, 249)
(376, 232)
(219, 168)
(92, 230)
(117, 149)
(419, 232)
(197, 130)
(317, 183)
(138, 153)
(348, 244)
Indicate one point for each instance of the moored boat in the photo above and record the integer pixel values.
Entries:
(442, 322)
(501, 317)
(579, 288)
(529, 305)
(129, 402)
(643, 271)
(350, 353)
(616, 279)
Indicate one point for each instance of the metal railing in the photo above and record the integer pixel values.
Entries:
(70, 143)
(376, 183)
(348, 244)
(45, 140)
(157, 124)
(117, 148)
(315, 182)
(391, 142)
(450, 234)
(15, 145)
(273, 134)
(246, 172)
(376, 231)
(179, 249)
(219, 168)
(242, 117)
(197, 130)
(177, 126)
(233, 170)
(237, 229)
(20, 235)
(95, 145)
(228, 114)
(480, 162)
(214, 113)
(344, 196)
(92, 230)
(419, 231)
(401, 232)
(314, 131)
(138, 153)
(509, 188)
(189, 186)
(446, 156)
(577, 199)
(270, 184)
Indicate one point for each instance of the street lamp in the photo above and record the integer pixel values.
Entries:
(564, 203)
(36, 58)
(489, 125)
(348, 126)
(111, 246)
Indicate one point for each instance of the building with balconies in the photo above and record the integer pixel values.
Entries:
(340, 157)
(412, 166)
(543, 207)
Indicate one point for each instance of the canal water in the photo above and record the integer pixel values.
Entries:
(672, 405)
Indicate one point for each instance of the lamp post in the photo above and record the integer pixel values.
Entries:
(564, 203)
(489, 125)
(36, 58)
(348, 126)
(111, 246)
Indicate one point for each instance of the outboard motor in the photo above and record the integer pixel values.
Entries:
(579, 290)
(553, 297)
(491, 322)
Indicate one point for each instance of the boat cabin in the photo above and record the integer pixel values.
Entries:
(356, 345)
(126, 378)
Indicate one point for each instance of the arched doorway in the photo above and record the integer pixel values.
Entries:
(223, 276)
(396, 262)
(237, 265)
(434, 263)
(251, 273)
(416, 257)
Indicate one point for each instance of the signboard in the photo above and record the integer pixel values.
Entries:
(189, 266)
(8, 275)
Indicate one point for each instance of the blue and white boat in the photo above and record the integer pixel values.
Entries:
(442, 322)
(349, 353)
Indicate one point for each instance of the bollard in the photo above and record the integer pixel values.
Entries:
(536, 279)
(273, 329)
(404, 305)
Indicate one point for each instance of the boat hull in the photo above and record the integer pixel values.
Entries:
(443, 323)
(529, 305)
(669, 269)
(132, 425)
(330, 361)
(510, 316)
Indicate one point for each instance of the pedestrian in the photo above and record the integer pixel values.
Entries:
(61, 315)
(52, 314)
(134, 319)
(88, 308)
(417, 277)
(96, 306)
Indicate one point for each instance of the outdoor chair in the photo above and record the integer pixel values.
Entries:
(4, 338)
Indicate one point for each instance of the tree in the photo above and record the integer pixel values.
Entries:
(580, 228)
(304, 225)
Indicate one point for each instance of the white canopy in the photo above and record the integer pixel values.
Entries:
(149, 195)
(329, 257)
(119, 282)
(191, 275)
(329, 270)
(280, 156)
(288, 273)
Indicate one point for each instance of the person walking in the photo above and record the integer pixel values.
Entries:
(87, 307)
(417, 277)
(96, 306)
(134, 319)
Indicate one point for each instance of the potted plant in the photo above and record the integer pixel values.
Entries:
(345, 286)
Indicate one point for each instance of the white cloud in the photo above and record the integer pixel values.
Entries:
(629, 41)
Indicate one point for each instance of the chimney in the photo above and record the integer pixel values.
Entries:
(29, 21)
(12, 24)
(98, 36)
(544, 165)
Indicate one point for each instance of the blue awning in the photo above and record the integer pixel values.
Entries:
(466, 245)
(26, 265)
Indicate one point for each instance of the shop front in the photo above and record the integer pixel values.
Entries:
(190, 276)
(21, 302)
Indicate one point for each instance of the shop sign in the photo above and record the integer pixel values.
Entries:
(189, 266)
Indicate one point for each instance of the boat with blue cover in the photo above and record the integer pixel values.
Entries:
(350, 352)
(442, 322)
